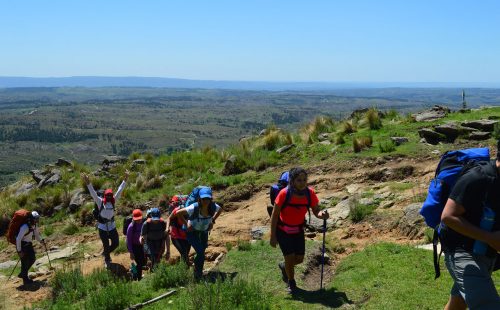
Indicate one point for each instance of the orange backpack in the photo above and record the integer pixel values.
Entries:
(19, 218)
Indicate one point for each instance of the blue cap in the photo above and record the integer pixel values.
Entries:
(285, 178)
(155, 214)
(206, 192)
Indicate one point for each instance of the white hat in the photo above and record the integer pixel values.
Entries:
(35, 215)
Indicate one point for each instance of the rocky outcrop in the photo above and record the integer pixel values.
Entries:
(399, 140)
(482, 125)
(411, 223)
(61, 162)
(430, 136)
(479, 135)
(285, 148)
(47, 177)
(432, 114)
(77, 200)
(234, 165)
(111, 161)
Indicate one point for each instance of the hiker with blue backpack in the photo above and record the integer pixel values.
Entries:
(198, 218)
(287, 223)
(105, 208)
(463, 205)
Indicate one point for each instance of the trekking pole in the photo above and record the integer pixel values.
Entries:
(14, 269)
(46, 251)
(323, 253)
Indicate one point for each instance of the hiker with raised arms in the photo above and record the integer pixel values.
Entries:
(198, 219)
(470, 236)
(287, 223)
(106, 216)
(24, 245)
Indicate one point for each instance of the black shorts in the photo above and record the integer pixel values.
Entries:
(291, 243)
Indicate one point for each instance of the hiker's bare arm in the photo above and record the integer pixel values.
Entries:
(274, 222)
(452, 217)
(181, 214)
(122, 186)
(216, 215)
(125, 175)
(320, 214)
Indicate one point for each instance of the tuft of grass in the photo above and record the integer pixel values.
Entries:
(229, 246)
(386, 147)
(359, 212)
(244, 245)
(361, 143)
(70, 229)
(167, 276)
(347, 127)
(373, 120)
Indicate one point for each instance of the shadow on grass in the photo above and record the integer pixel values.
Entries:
(213, 276)
(32, 287)
(329, 298)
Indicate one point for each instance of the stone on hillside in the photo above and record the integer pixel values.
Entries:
(450, 130)
(353, 188)
(382, 195)
(479, 135)
(8, 264)
(341, 211)
(399, 140)
(386, 204)
(259, 232)
(483, 124)
(285, 148)
(323, 137)
(432, 114)
(138, 162)
(111, 161)
(366, 201)
(411, 224)
(37, 175)
(57, 254)
(233, 165)
(77, 200)
(24, 189)
(431, 136)
(325, 142)
(316, 225)
(61, 162)
(52, 180)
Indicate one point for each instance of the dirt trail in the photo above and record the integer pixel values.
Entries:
(236, 225)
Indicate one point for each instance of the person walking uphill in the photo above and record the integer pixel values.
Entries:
(153, 234)
(134, 245)
(470, 245)
(287, 222)
(24, 245)
(201, 217)
(106, 216)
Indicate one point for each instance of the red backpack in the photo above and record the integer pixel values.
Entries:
(19, 218)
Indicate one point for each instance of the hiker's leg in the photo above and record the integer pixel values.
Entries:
(199, 244)
(299, 259)
(455, 303)
(105, 244)
(115, 240)
(472, 275)
(290, 266)
(27, 260)
(182, 247)
(139, 259)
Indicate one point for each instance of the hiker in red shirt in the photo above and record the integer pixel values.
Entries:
(287, 223)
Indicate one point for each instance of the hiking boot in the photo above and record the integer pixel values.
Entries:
(27, 281)
(107, 264)
(292, 287)
(284, 277)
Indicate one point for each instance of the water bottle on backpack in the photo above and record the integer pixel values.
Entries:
(487, 222)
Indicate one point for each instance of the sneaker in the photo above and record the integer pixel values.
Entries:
(284, 277)
(292, 287)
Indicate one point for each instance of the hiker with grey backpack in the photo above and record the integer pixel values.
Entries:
(287, 223)
(105, 215)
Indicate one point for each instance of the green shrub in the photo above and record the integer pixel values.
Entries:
(272, 140)
(359, 212)
(122, 246)
(244, 245)
(339, 139)
(496, 131)
(229, 246)
(68, 285)
(70, 229)
(48, 230)
(347, 127)
(116, 295)
(386, 147)
(167, 276)
(373, 120)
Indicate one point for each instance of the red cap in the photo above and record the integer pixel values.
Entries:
(109, 191)
(137, 214)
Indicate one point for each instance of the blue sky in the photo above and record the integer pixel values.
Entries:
(254, 40)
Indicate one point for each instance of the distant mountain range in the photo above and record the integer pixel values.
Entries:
(108, 81)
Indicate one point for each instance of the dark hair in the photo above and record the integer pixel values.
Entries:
(295, 172)
(498, 150)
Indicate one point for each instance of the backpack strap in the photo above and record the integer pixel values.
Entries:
(286, 203)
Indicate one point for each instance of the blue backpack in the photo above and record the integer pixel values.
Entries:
(276, 188)
(451, 166)
(194, 195)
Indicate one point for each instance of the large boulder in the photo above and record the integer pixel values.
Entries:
(234, 165)
(37, 175)
(483, 124)
(450, 130)
(430, 136)
(61, 162)
(24, 189)
(77, 200)
(432, 114)
(479, 135)
(412, 224)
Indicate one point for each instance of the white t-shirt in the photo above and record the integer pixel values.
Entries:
(107, 211)
(26, 235)
(201, 223)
